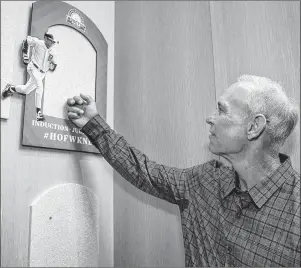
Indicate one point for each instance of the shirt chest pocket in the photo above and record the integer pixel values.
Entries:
(274, 247)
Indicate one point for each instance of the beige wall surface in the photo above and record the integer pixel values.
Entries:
(27, 172)
(173, 59)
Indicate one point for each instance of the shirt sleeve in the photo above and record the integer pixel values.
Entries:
(170, 184)
(32, 41)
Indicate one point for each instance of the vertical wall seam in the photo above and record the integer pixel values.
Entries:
(211, 31)
(213, 57)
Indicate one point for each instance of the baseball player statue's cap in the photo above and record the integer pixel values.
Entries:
(50, 37)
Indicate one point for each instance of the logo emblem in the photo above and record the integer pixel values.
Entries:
(75, 18)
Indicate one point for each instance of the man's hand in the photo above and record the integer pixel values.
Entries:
(81, 109)
(52, 66)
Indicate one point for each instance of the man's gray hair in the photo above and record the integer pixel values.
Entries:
(268, 98)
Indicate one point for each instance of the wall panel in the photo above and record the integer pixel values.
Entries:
(260, 38)
(164, 89)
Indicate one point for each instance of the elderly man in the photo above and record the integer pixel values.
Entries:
(246, 215)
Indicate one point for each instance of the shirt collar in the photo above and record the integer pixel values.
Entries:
(227, 178)
(263, 190)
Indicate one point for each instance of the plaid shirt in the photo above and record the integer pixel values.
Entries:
(222, 226)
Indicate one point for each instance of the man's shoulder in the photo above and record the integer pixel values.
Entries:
(213, 167)
(212, 170)
(38, 42)
(211, 176)
(34, 39)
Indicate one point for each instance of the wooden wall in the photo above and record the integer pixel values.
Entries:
(172, 60)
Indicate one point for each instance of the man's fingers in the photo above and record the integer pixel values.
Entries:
(73, 115)
(78, 100)
(76, 110)
(82, 99)
(70, 101)
(86, 98)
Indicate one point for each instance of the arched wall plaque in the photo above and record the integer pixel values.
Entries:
(59, 132)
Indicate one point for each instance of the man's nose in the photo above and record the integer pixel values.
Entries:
(209, 119)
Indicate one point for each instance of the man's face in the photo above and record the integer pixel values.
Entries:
(48, 42)
(228, 124)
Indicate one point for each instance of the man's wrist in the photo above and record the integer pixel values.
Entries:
(84, 126)
(96, 122)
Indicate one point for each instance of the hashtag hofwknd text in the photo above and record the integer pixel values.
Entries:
(66, 138)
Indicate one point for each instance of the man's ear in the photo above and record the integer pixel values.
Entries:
(256, 126)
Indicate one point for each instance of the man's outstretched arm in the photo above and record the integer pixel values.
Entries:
(164, 182)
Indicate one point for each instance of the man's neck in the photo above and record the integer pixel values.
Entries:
(253, 167)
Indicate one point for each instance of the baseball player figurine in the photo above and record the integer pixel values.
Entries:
(38, 64)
